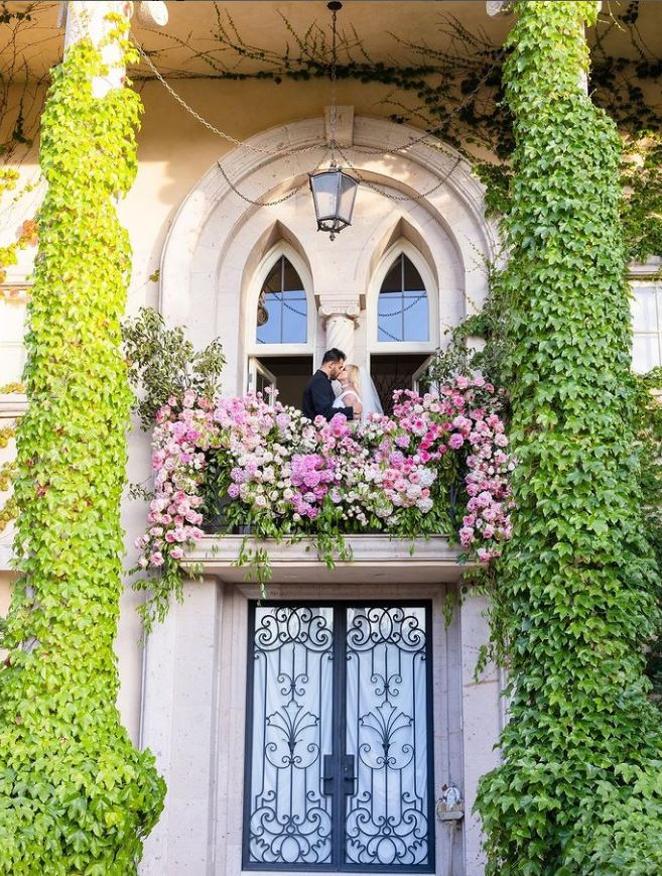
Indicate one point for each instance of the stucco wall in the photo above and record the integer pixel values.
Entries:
(175, 151)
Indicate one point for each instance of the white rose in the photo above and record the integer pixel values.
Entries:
(426, 477)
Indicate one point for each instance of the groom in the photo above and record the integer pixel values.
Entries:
(318, 396)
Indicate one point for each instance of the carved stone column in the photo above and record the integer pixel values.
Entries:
(340, 318)
(89, 20)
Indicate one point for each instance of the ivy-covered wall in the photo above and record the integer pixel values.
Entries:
(580, 788)
(75, 796)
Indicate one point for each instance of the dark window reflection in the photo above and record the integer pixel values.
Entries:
(282, 310)
(403, 313)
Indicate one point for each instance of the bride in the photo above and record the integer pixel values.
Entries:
(358, 391)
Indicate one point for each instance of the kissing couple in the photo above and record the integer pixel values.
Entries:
(355, 396)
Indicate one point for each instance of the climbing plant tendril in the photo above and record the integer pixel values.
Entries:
(75, 796)
(580, 789)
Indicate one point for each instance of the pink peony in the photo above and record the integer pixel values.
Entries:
(456, 441)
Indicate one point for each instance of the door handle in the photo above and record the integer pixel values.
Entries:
(327, 778)
(348, 777)
(330, 764)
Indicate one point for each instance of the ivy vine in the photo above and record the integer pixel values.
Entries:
(649, 433)
(75, 796)
(579, 790)
(27, 234)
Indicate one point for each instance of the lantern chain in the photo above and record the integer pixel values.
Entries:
(394, 150)
(276, 201)
(334, 6)
(225, 136)
(391, 197)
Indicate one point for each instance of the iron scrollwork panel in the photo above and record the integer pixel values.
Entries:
(290, 816)
(339, 758)
(387, 721)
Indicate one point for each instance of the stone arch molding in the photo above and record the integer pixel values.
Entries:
(216, 236)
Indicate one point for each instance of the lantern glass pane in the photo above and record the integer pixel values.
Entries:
(325, 191)
(348, 188)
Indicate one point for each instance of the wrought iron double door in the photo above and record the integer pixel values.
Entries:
(339, 742)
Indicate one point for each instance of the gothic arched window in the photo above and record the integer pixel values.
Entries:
(403, 313)
(282, 308)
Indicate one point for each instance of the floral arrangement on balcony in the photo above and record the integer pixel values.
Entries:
(440, 464)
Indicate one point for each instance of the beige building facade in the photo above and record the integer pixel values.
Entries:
(203, 248)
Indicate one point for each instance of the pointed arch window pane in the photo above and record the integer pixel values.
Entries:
(403, 309)
(282, 310)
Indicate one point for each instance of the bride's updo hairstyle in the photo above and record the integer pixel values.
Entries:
(352, 372)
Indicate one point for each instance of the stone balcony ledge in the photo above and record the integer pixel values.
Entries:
(13, 405)
(374, 558)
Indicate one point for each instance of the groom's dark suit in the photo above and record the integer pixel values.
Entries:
(318, 398)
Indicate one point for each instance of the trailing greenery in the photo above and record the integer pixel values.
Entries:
(27, 235)
(641, 210)
(450, 83)
(75, 796)
(438, 465)
(7, 475)
(578, 791)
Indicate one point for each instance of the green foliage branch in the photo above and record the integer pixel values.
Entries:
(578, 791)
(75, 795)
(162, 362)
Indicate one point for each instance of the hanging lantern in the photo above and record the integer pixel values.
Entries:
(334, 193)
(262, 312)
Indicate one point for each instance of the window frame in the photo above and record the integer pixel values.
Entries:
(253, 348)
(403, 247)
(639, 281)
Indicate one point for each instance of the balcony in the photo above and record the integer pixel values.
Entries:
(248, 490)
(374, 558)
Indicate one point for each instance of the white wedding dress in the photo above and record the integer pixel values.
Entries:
(367, 396)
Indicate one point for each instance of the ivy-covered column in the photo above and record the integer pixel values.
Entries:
(75, 796)
(580, 788)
